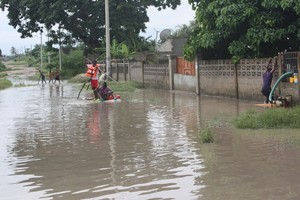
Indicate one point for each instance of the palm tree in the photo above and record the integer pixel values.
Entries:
(117, 51)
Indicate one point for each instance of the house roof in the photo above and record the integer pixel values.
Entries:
(172, 46)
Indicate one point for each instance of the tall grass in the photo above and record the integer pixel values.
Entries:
(2, 66)
(5, 83)
(270, 118)
(206, 136)
(3, 74)
(129, 86)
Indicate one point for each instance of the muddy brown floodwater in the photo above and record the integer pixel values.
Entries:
(53, 146)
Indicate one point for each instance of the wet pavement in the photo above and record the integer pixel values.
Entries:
(53, 146)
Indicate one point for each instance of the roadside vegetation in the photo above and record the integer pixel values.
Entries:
(276, 118)
(5, 83)
(2, 67)
(206, 135)
(128, 86)
(3, 74)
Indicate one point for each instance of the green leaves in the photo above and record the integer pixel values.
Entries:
(117, 50)
(245, 28)
(82, 20)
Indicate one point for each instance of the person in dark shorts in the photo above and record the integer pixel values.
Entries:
(267, 79)
(57, 76)
(50, 75)
(43, 77)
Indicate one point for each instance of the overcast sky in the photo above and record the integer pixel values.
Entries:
(166, 19)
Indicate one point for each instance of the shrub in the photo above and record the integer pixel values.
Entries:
(72, 64)
(3, 74)
(129, 86)
(206, 136)
(2, 66)
(270, 118)
(5, 83)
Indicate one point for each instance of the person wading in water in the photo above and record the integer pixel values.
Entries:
(43, 77)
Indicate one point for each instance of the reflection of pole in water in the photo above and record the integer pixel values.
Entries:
(94, 126)
(237, 103)
(58, 90)
(112, 146)
(198, 113)
(50, 89)
(62, 91)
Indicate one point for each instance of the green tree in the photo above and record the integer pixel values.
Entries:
(244, 28)
(13, 51)
(82, 20)
(183, 30)
(117, 51)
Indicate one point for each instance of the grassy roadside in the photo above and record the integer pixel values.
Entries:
(128, 86)
(269, 119)
(5, 83)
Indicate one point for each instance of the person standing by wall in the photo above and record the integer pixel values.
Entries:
(267, 78)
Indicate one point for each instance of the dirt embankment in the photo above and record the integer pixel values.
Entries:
(16, 69)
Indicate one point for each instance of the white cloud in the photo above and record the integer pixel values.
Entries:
(11, 38)
(159, 20)
(168, 19)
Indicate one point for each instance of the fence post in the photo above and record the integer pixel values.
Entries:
(143, 72)
(172, 70)
(298, 67)
(129, 69)
(236, 80)
(279, 68)
(125, 71)
(197, 76)
(117, 70)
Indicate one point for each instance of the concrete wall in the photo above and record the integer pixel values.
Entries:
(136, 71)
(119, 71)
(216, 77)
(184, 82)
(156, 76)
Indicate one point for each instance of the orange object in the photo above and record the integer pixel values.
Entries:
(92, 70)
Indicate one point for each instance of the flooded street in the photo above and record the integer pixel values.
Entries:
(53, 146)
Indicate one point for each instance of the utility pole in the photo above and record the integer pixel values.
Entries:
(41, 49)
(59, 51)
(107, 37)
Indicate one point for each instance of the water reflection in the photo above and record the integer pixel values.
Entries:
(146, 147)
(59, 90)
(94, 126)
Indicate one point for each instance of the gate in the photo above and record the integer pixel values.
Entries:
(185, 67)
